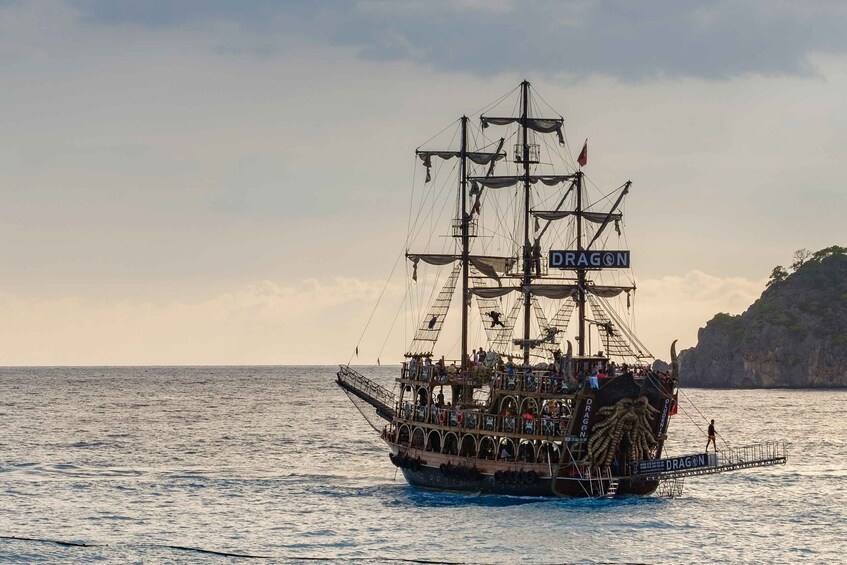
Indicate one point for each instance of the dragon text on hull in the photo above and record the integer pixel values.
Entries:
(539, 266)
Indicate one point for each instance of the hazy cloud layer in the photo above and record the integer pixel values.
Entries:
(264, 323)
(628, 40)
(305, 323)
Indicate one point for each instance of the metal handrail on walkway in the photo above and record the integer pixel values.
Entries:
(764, 454)
(759, 452)
(377, 396)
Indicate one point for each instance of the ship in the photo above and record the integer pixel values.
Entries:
(515, 246)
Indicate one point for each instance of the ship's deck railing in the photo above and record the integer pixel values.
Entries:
(518, 379)
(474, 420)
(451, 374)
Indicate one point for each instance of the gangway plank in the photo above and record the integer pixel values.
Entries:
(758, 455)
(376, 395)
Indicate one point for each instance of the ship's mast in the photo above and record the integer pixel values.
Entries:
(463, 156)
(527, 249)
(580, 273)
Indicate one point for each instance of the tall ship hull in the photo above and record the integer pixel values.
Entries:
(562, 399)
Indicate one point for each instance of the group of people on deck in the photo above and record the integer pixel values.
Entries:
(422, 368)
(508, 375)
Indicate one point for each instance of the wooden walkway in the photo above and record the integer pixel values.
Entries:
(377, 396)
(747, 457)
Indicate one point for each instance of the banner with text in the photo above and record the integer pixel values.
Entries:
(586, 259)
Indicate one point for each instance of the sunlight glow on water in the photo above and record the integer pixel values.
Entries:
(275, 461)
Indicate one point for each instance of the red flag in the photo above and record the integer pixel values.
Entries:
(675, 405)
(583, 155)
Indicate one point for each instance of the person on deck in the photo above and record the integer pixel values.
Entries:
(711, 437)
(593, 381)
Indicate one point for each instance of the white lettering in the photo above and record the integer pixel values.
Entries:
(555, 259)
(663, 418)
(580, 258)
(586, 417)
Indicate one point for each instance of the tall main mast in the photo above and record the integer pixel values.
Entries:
(580, 273)
(527, 249)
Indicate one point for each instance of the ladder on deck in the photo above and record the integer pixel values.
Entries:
(601, 485)
(612, 489)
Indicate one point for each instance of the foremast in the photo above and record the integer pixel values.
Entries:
(465, 234)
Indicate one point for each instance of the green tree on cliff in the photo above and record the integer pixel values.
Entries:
(778, 274)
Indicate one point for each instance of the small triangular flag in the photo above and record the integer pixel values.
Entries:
(583, 155)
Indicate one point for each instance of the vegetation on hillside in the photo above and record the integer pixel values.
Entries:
(795, 334)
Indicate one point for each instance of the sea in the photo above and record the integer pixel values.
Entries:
(232, 464)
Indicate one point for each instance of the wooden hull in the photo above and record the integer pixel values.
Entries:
(434, 478)
(469, 475)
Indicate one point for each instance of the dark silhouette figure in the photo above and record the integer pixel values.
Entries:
(711, 437)
(432, 322)
(495, 319)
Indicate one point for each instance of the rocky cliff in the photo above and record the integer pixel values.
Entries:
(794, 335)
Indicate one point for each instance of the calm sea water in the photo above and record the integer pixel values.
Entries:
(150, 464)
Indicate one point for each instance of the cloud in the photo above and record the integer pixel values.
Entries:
(310, 322)
(675, 307)
(630, 41)
(264, 323)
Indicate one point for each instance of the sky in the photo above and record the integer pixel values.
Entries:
(216, 182)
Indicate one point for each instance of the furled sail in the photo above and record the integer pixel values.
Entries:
(595, 217)
(478, 157)
(553, 291)
(489, 265)
(431, 325)
(512, 180)
(542, 125)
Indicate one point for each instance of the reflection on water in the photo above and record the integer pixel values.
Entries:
(155, 464)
